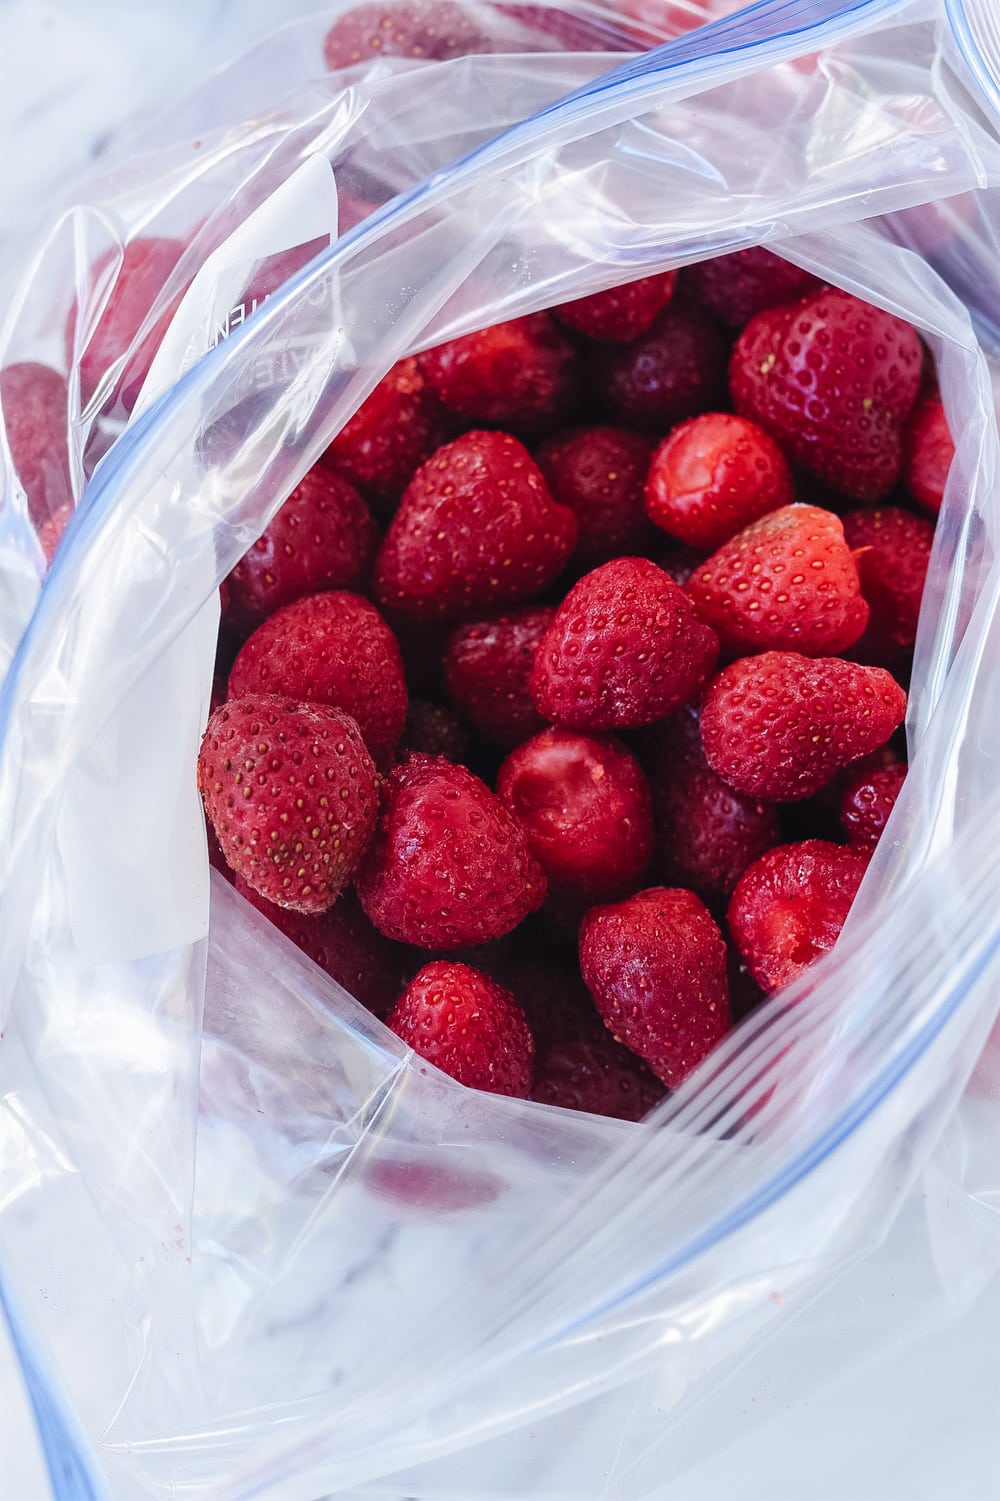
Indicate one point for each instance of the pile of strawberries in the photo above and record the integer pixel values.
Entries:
(558, 704)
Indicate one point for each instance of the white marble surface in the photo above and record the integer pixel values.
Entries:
(922, 1427)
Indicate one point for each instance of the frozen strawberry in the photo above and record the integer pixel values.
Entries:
(428, 30)
(435, 730)
(583, 803)
(467, 1025)
(624, 650)
(391, 434)
(520, 376)
(322, 538)
(788, 582)
(621, 313)
(343, 943)
(291, 792)
(35, 407)
(595, 1073)
(832, 380)
(706, 833)
(600, 472)
(676, 368)
(561, 30)
(868, 798)
(487, 667)
(330, 649)
(449, 866)
(790, 906)
(714, 475)
(476, 527)
(147, 263)
(780, 726)
(928, 449)
(656, 967)
(737, 287)
(893, 549)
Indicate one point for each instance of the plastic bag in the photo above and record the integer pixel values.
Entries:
(250, 1247)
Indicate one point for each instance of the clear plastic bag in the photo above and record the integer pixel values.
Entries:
(251, 1247)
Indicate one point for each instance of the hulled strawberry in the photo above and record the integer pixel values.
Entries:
(435, 730)
(583, 804)
(391, 434)
(789, 908)
(788, 582)
(737, 287)
(674, 370)
(291, 792)
(714, 475)
(706, 832)
(420, 29)
(625, 649)
(322, 538)
(868, 797)
(780, 726)
(332, 649)
(449, 866)
(520, 376)
(928, 451)
(467, 1025)
(593, 1072)
(833, 381)
(476, 527)
(487, 667)
(600, 472)
(343, 943)
(35, 403)
(893, 550)
(656, 967)
(621, 313)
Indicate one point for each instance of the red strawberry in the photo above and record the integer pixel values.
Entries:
(35, 407)
(391, 434)
(624, 649)
(476, 527)
(893, 549)
(487, 667)
(292, 795)
(832, 380)
(569, 32)
(147, 263)
(435, 730)
(424, 29)
(322, 538)
(714, 475)
(790, 906)
(50, 532)
(592, 1072)
(788, 582)
(928, 449)
(467, 1025)
(584, 805)
(599, 472)
(780, 726)
(520, 376)
(706, 834)
(621, 313)
(677, 368)
(330, 649)
(739, 286)
(449, 866)
(656, 967)
(343, 943)
(868, 798)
